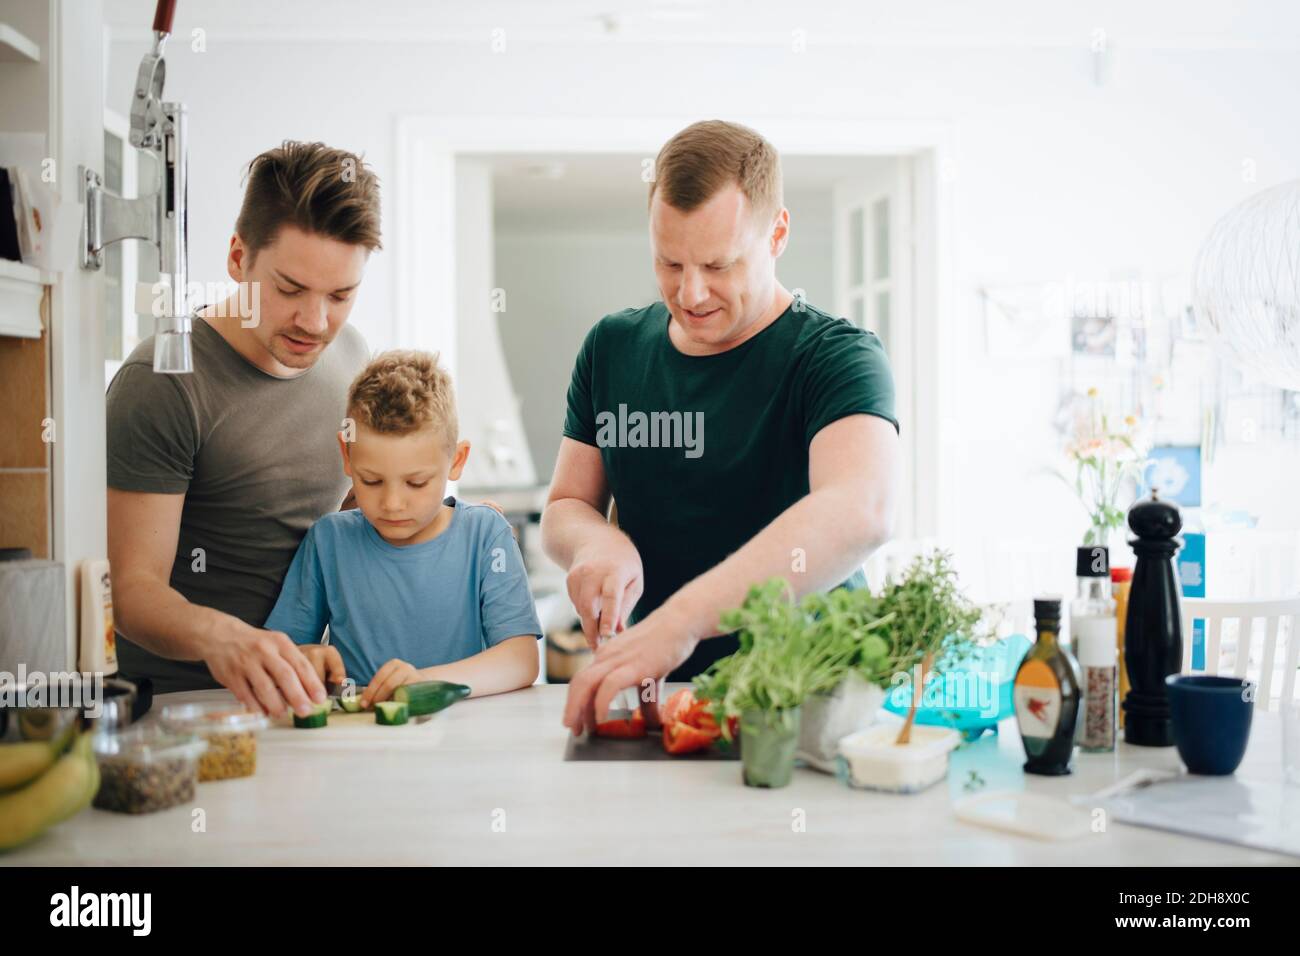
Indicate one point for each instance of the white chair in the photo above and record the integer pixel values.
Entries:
(1279, 617)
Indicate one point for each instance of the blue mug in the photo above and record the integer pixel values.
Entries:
(1211, 718)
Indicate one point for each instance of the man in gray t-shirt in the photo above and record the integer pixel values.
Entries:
(214, 477)
(255, 457)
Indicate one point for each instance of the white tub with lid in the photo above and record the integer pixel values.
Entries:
(870, 760)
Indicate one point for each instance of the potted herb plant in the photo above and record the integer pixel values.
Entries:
(849, 628)
(780, 662)
(935, 629)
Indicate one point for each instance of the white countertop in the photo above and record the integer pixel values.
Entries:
(485, 783)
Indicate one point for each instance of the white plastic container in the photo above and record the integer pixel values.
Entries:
(870, 760)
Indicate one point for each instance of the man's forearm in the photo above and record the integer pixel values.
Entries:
(161, 620)
(814, 544)
(569, 524)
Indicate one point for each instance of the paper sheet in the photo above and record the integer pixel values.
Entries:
(1258, 811)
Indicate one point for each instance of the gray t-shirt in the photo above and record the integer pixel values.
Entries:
(257, 459)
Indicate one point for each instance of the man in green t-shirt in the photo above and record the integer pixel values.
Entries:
(742, 433)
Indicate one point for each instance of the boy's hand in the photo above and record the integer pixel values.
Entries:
(386, 680)
(326, 661)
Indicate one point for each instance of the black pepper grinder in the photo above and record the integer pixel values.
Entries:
(1153, 630)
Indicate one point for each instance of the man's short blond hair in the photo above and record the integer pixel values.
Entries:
(405, 391)
(711, 155)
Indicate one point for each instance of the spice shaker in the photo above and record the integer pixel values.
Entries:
(1092, 636)
(1153, 629)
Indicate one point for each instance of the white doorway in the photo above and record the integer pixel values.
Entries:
(874, 245)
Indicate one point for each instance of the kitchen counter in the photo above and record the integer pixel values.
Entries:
(485, 783)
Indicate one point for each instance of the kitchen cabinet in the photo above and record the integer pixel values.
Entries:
(25, 480)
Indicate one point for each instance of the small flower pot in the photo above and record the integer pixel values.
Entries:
(768, 739)
(828, 718)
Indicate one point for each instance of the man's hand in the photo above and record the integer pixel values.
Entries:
(325, 661)
(386, 680)
(502, 512)
(648, 650)
(604, 583)
(264, 669)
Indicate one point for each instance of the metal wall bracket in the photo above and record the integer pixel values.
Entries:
(110, 218)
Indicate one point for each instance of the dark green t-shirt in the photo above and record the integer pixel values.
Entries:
(702, 452)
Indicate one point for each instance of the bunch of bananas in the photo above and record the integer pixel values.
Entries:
(43, 782)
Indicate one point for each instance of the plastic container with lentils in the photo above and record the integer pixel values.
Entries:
(146, 768)
(231, 733)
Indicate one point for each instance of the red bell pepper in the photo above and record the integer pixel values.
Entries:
(689, 726)
(676, 705)
(625, 727)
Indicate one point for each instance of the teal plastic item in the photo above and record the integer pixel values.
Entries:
(971, 698)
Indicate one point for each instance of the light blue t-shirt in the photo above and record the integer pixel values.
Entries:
(430, 603)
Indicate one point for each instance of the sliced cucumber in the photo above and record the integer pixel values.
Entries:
(318, 717)
(351, 705)
(391, 712)
(430, 696)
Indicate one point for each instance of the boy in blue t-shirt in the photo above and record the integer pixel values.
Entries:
(413, 587)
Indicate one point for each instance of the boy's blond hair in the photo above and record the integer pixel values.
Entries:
(405, 391)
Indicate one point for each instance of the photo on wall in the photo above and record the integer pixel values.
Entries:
(1174, 471)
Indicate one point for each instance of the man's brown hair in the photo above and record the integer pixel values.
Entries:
(712, 154)
(321, 190)
(405, 391)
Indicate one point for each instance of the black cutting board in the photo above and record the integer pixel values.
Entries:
(649, 747)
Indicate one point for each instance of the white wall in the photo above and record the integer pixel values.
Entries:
(1053, 176)
(559, 285)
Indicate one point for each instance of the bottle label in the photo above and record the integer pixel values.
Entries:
(1038, 701)
(110, 635)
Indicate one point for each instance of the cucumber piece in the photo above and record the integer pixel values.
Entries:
(351, 705)
(318, 717)
(430, 696)
(390, 713)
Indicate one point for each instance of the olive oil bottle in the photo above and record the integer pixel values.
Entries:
(1047, 695)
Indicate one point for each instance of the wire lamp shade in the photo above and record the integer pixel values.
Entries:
(1246, 285)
